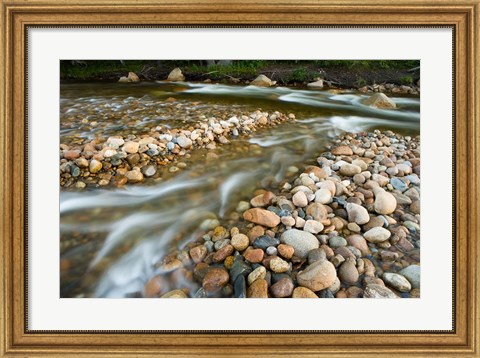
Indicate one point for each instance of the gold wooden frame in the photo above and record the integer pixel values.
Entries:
(463, 16)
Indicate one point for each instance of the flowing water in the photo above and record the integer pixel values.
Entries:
(112, 239)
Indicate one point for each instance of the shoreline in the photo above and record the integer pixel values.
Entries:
(348, 227)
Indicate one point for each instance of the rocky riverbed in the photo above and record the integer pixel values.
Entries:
(347, 227)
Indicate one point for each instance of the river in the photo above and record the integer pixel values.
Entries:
(111, 239)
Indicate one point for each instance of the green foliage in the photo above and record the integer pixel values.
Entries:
(360, 82)
(91, 69)
(406, 80)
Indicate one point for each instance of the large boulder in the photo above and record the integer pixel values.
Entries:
(379, 100)
(262, 81)
(131, 78)
(176, 75)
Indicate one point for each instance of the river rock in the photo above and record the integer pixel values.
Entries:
(240, 242)
(336, 242)
(299, 199)
(348, 273)
(357, 214)
(301, 241)
(132, 77)
(278, 265)
(303, 292)
(223, 253)
(134, 176)
(155, 287)
(342, 150)
(377, 234)
(323, 196)
(312, 226)
(317, 211)
(131, 147)
(317, 276)
(350, 170)
(262, 217)
(215, 279)
(95, 166)
(318, 172)
(240, 288)
(385, 203)
(184, 142)
(262, 81)
(254, 255)
(379, 100)
(399, 184)
(259, 272)
(258, 289)
(175, 294)
(359, 242)
(378, 291)
(176, 75)
(149, 170)
(239, 268)
(412, 274)
(316, 84)
(282, 288)
(397, 281)
(198, 253)
(264, 241)
(286, 251)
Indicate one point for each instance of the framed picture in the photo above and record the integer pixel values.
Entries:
(240, 158)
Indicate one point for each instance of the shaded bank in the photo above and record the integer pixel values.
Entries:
(335, 73)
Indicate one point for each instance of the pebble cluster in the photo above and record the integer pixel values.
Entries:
(345, 228)
(119, 160)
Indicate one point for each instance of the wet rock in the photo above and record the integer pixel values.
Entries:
(312, 226)
(259, 272)
(317, 276)
(254, 255)
(240, 288)
(385, 203)
(262, 217)
(378, 291)
(350, 170)
(239, 268)
(264, 241)
(299, 199)
(303, 292)
(223, 253)
(377, 235)
(282, 288)
(342, 150)
(278, 265)
(258, 289)
(198, 253)
(357, 214)
(155, 287)
(412, 274)
(131, 147)
(286, 251)
(317, 211)
(323, 196)
(397, 281)
(149, 170)
(240, 242)
(184, 142)
(337, 241)
(348, 273)
(134, 176)
(71, 154)
(215, 279)
(175, 294)
(358, 242)
(301, 241)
